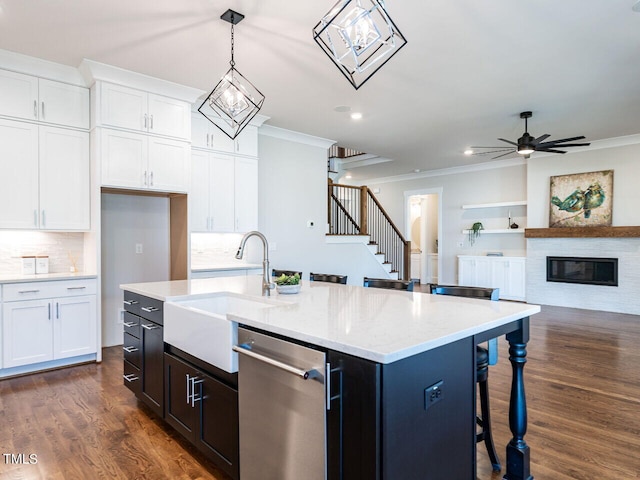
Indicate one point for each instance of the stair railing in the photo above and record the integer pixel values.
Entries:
(356, 211)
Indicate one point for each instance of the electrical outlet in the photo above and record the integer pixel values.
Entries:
(138, 248)
(433, 394)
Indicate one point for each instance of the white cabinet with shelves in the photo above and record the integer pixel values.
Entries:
(140, 111)
(505, 273)
(224, 193)
(138, 161)
(46, 321)
(205, 134)
(46, 178)
(39, 99)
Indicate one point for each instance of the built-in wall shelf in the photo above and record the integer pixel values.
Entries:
(515, 203)
(497, 230)
(582, 232)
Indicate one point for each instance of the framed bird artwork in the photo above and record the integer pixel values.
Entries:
(581, 200)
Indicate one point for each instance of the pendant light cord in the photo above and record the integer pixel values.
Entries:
(232, 62)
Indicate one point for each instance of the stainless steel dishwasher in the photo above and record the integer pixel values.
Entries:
(281, 396)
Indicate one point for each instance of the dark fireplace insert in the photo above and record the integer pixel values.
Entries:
(593, 271)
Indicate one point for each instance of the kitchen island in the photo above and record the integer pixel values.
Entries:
(392, 347)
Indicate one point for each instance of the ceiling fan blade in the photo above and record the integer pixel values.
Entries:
(549, 150)
(570, 145)
(566, 139)
(499, 146)
(510, 152)
(508, 141)
(492, 151)
(540, 139)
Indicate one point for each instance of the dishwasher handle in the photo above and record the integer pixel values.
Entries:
(245, 349)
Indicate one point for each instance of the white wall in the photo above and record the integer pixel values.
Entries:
(128, 220)
(487, 184)
(292, 191)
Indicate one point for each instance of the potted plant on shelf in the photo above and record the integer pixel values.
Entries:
(474, 232)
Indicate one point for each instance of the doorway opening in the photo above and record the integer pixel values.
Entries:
(423, 216)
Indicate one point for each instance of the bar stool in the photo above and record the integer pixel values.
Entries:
(328, 277)
(483, 357)
(389, 284)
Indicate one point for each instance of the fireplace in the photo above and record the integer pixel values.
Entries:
(587, 270)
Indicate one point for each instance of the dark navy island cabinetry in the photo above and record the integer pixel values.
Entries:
(197, 399)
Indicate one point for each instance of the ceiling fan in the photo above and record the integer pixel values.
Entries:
(527, 144)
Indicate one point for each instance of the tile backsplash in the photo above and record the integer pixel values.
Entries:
(211, 249)
(65, 250)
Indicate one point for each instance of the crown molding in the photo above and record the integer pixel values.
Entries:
(37, 67)
(292, 136)
(93, 71)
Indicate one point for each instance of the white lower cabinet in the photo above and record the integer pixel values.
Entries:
(505, 273)
(43, 329)
(142, 162)
(224, 193)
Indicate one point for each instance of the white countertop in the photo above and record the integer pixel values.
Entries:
(375, 324)
(40, 277)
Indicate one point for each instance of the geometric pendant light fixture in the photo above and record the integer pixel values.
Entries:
(359, 37)
(234, 101)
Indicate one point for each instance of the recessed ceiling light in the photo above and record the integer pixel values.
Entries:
(468, 151)
(416, 170)
(342, 108)
(356, 116)
(347, 176)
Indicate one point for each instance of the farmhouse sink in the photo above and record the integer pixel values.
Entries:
(200, 327)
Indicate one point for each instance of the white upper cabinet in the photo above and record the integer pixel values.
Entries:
(32, 98)
(137, 161)
(132, 109)
(224, 193)
(19, 179)
(45, 181)
(205, 134)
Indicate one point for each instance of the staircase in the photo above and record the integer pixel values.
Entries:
(354, 214)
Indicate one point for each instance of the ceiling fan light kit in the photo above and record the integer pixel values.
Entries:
(527, 144)
(359, 37)
(234, 101)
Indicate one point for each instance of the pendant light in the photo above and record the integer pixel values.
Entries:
(359, 37)
(234, 101)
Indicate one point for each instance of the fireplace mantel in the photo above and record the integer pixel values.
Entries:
(582, 232)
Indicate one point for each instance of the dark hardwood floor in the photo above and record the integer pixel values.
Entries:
(583, 395)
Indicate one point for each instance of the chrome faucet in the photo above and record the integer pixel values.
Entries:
(267, 286)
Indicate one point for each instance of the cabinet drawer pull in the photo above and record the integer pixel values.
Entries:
(129, 324)
(130, 302)
(131, 377)
(130, 349)
(28, 291)
(149, 309)
(150, 326)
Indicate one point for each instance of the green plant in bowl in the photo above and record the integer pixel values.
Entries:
(288, 283)
(288, 279)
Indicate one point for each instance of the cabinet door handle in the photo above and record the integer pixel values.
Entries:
(144, 180)
(208, 140)
(35, 109)
(42, 110)
(129, 324)
(151, 179)
(49, 315)
(149, 327)
(57, 310)
(149, 309)
(145, 121)
(195, 381)
(130, 377)
(151, 122)
(130, 349)
(130, 302)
